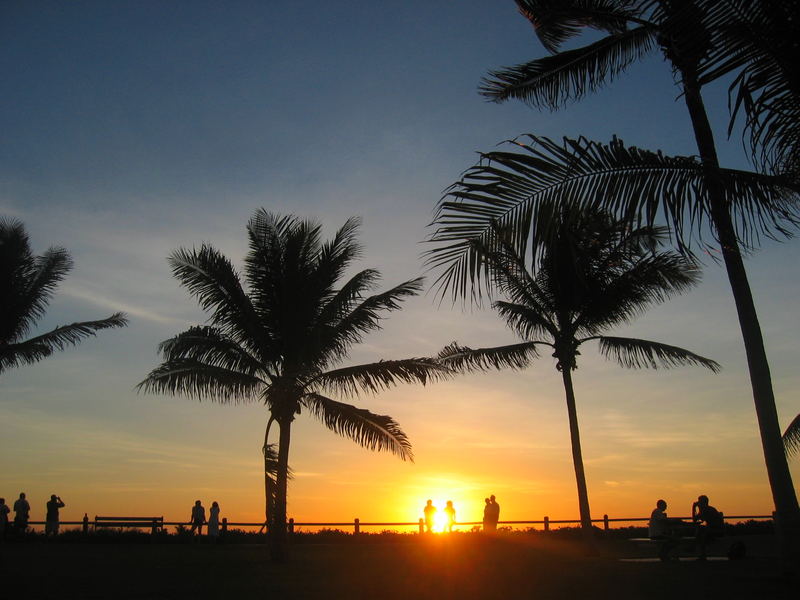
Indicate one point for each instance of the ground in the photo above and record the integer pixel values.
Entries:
(440, 567)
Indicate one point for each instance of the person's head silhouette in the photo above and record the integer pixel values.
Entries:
(661, 505)
(197, 502)
(22, 496)
(492, 498)
(429, 502)
(702, 500)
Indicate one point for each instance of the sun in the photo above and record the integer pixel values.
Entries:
(441, 519)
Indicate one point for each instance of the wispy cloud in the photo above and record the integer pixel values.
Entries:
(117, 306)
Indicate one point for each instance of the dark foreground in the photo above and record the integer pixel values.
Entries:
(463, 567)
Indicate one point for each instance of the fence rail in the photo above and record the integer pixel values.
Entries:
(357, 524)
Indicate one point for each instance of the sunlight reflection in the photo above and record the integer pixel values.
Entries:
(440, 515)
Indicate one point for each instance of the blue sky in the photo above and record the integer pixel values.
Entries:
(133, 128)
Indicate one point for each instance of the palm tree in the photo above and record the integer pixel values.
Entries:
(27, 283)
(279, 340)
(592, 273)
(688, 34)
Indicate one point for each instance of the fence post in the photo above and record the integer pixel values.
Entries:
(291, 525)
(224, 525)
(85, 523)
(421, 526)
(605, 522)
(356, 526)
(547, 523)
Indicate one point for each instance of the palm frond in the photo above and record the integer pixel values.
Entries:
(464, 359)
(791, 437)
(209, 346)
(346, 298)
(336, 338)
(557, 21)
(196, 379)
(41, 346)
(378, 376)
(210, 277)
(556, 80)
(28, 281)
(528, 321)
(24, 353)
(375, 432)
(48, 271)
(289, 248)
(647, 281)
(509, 189)
(270, 452)
(637, 354)
(758, 42)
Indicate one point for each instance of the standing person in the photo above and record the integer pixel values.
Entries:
(450, 512)
(495, 512)
(430, 513)
(709, 524)
(487, 515)
(51, 521)
(4, 510)
(22, 512)
(198, 517)
(213, 521)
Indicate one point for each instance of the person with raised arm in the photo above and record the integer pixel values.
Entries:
(51, 523)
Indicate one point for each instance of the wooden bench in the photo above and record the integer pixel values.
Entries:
(155, 524)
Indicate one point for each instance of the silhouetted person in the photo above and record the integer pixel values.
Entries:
(22, 511)
(709, 524)
(430, 512)
(487, 515)
(450, 513)
(198, 517)
(494, 512)
(213, 521)
(662, 528)
(4, 510)
(51, 520)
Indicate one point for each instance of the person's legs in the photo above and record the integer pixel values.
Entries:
(702, 541)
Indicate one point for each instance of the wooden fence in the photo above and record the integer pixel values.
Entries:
(546, 523)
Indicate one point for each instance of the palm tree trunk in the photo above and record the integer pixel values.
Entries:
(780, 478)
(577, 457)
(279, 551)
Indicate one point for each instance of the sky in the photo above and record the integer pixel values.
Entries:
(131, 129)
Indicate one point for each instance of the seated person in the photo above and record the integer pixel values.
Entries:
(709, 524)
(661, 527)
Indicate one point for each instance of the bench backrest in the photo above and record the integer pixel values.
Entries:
(154, 522)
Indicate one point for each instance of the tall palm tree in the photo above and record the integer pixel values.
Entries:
(27, 283)
(687, 33)
(593, 274)
(279, 340)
